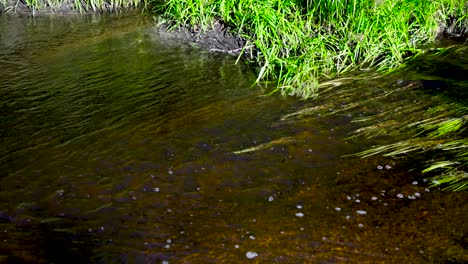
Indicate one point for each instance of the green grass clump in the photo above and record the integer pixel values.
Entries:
(300, 42)
(70, 6)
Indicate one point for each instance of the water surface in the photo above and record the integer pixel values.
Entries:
(121, 147)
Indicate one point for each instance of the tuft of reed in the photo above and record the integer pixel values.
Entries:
(302, 42)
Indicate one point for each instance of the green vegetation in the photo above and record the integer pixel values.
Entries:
(421, 109)
(434, 127)
(442, 136)
(58, 6)
(300, 42)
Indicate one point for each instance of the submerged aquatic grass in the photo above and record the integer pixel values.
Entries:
(302, 42)
(442, 137)
(420, 109)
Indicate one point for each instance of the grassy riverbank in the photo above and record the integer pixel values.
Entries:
(302, 42)
(35, 7)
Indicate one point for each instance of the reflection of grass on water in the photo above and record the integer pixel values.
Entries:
(299, 42)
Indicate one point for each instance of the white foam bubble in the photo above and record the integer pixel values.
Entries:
(251, 254)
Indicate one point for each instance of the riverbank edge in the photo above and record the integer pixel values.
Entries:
(222, 38)
(300, 46)
(68, 7)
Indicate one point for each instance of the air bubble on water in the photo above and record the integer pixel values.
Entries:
(360, 225)
(60, 192)
(427, 190)
(337, 209)
(348, 217)
(169, 210)
(385, 204)
(271, 198)
(324, 238)
(302, 229)
(170, 172)
(400, 195)
(169, 241)
(198, 189)
(299, 206)
(379, 167)
(358, 201)
(299, 214)
(415, 183)
(361, 212)
(388, 167)
(251, 254)
(252, 237)
(156, 189)
(167, 246)
(424, 180)
(411, 197)
(165, 262)
(348, 197)
(373, 198)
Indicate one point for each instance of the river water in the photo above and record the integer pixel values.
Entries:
(121, 147)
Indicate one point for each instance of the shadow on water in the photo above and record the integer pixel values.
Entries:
(121, 147)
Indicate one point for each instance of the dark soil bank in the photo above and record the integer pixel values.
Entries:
(216, 39)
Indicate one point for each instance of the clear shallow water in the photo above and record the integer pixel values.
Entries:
(121, 147)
